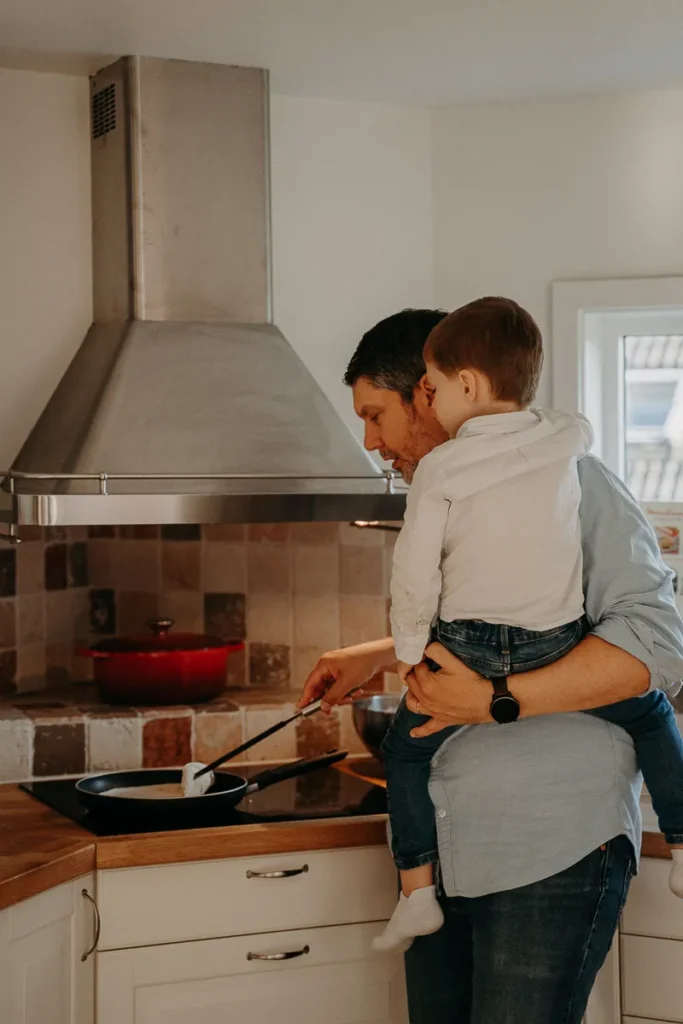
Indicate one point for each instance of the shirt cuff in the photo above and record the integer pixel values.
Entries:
(410, 649)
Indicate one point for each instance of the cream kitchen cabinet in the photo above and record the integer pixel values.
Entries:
(43, 978)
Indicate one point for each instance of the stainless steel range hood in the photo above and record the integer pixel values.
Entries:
(184, 403)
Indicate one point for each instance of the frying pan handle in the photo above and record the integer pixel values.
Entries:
(293, 770)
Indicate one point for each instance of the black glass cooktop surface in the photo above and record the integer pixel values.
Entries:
(326, 793)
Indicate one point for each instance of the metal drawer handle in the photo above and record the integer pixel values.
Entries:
(290, 873)
(291, 955)
(98, 925)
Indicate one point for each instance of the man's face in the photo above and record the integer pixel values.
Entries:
(402, 432)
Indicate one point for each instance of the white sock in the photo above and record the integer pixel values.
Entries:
(417, 914)
(676, 876)
(196, 787)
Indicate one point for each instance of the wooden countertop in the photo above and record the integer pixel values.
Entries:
(40, 849)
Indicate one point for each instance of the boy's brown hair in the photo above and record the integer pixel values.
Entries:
(496, 337)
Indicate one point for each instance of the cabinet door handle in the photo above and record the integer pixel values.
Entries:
(98, 925)
(289, 873)
(291, 955)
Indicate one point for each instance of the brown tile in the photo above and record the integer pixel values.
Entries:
(59, 624)
(59, 749)
(8, 671)
(224, 567)
(76, 533)
(138, 565)
(30, 613)
(56, 534)
(8, 628)
(139, 532)
(316, 622)
(78, 564)
(185, 608)
(269, 569)
(362, 619)
(181, 532)
(313, 533)
(224, 615)
(269, 619)
(180, 566)
(101, 532)
(30, 569)
(166, 742)
(269, 532)
(316, 569)
(317, 734)
(269, 665)
(136, 610)
(215, 734)
(224, 531)
(102, 563)
(8, 572)
(361, 570)
(237, 669)
(31, 534)
(31, 668)
(56, 573)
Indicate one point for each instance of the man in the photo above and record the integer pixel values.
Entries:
(538, 822)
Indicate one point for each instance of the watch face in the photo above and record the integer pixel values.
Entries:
(504, 709)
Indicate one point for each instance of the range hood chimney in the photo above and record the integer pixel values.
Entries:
(184, 403)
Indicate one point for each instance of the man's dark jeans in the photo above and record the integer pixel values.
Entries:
(525, 956)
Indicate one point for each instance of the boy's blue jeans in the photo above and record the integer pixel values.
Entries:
(495, 650)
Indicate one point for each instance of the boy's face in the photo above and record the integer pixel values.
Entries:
(402, 432)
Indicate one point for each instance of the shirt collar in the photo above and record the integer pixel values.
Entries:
(499, 423)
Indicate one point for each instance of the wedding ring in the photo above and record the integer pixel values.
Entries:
(417, 708)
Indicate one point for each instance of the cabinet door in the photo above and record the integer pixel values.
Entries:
(42, 977)
(330, 975)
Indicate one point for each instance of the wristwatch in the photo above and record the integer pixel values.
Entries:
(504, 706)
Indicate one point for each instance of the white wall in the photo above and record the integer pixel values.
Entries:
(352, 225)
(530, 191)
(45, 251)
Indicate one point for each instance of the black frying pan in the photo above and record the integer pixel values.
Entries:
(224, 794)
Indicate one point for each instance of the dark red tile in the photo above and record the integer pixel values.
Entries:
(78, 564)
(103, 612)
(59, 749)
(166, 742)
(101, 532)
(181, 532)
(8, 671)
(269, 664)
(56, 571)
(139, 532)
(8, 572)
(225, 615)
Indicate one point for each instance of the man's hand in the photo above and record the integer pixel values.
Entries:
(403, 670)
(339, 672)
(454, 696)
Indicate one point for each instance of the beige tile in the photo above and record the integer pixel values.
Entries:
(316, 622)
(138, 565)
(181, 566)
(304, 660)
(16, 740)
(269, 618)
(314, 533)
(59, 662)
(185, 608)
(113, 743)
(224, 531)
(30, 568)
(361, 570)
(59, 621)
(31, 664)
(103, 562)
(30, 619)
(356, 537)
(282, 745)
(215, 733)
(237, 669)
(80, 612)
(316, 569)
(224, 568)
(269, 532)
(269, 569)
(8, 625)
(362, 618)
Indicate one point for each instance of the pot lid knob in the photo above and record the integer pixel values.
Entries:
(160, 627)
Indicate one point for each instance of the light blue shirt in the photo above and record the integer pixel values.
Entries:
(520, 802)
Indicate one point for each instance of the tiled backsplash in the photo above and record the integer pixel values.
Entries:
(291, 591)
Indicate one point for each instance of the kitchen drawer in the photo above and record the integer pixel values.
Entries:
(642, 1020)
(209, 899)
(652, 978)
(329, 974)
(651, 908)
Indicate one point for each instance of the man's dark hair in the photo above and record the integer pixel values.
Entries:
(389, 355)
(495, 336)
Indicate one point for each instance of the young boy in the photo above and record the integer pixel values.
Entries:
(489, 564)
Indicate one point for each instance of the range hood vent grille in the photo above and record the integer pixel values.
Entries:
(104, 111)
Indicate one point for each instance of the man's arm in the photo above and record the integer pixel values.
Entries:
(636, 641)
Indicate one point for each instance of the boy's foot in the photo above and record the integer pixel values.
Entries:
(417, 914)
(676, 876)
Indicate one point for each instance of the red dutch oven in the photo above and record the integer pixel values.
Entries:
(161, 667)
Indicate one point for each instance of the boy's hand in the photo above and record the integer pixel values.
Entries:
(403, 670)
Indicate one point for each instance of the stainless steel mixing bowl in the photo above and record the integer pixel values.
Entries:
(372, 716)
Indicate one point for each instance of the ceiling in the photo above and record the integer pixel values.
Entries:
(403, 51)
